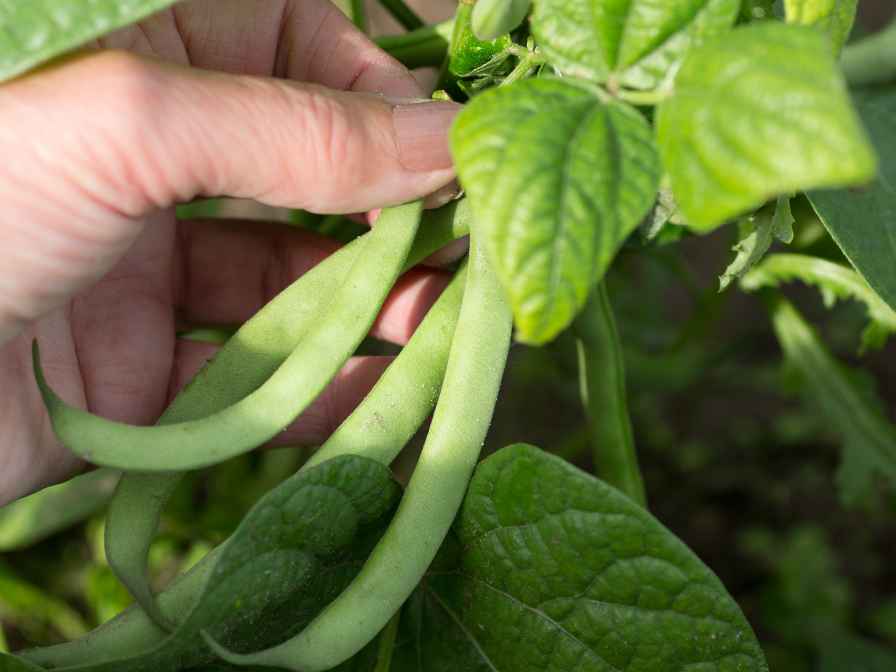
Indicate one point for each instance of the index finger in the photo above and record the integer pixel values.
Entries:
(305, 40)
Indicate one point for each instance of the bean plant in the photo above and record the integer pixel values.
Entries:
(590, 125)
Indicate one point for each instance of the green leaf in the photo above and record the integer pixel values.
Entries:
(863, 222)
(869, 440)
(558, 571)
(760, 112)
(758, 234)
(294, 552)
(834, 281)
(43, 514)
(37, 30)
(557, 177)
(635, 43)
(833, 18)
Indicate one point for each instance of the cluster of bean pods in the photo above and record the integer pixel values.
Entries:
(260, 381)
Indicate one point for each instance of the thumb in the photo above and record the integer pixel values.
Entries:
(155, 134)
(95, 144)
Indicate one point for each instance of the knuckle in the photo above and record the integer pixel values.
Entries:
(129, 87)
(327, 141)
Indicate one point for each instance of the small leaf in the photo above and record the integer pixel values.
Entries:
(493, 18)
(834, 281)
(760, 232)
(869, 440)
(37, 30)
(833, 18)
(635, 43)
(557, 178)
(760, 112)
(863, 222)
(558, 571)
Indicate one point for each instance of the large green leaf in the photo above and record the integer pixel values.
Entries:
(760, 112)
(291, 555)
(834, 18)
(558, 571)
(33, 31)
(863, 222)
(636, 43)
(557, 177)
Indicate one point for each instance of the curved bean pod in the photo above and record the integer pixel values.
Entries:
(268, 410)
(434, 495)
(248, 359)
(421, 361)
(405, 394)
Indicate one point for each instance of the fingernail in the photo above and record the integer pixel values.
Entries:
(443, 196)
(421, 130)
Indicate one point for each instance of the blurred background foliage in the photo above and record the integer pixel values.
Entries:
(736, 462)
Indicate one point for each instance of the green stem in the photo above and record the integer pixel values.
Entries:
(433, 496)
(871, 60)
(406, 16)
(387, 644)
(642, 98)
(421, 48)
(602, 381)
(528, 62)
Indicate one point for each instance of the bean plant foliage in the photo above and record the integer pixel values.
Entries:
(590, 126)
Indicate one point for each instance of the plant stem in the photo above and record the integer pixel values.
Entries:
(602, 381)
(642, 98)
(403, 14)
(359, 15)
(421, 48)
(871, 60)
(527, 63)
(387, 644)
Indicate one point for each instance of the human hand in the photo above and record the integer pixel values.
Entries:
(97, 150)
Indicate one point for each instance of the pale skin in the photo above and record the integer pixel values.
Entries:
(281, 102)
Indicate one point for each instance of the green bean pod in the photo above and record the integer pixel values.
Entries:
(268, 410)
(434, 495)
(247, 360)
(421, 362)
(602, 383)
(408, 388)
